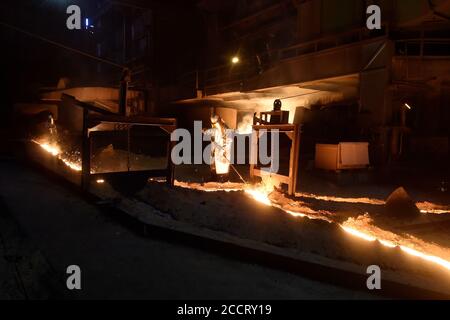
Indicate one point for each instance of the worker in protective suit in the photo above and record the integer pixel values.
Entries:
(277, 116)
(221, 143)
(276, 119)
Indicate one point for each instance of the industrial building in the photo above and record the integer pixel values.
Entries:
(338, 79)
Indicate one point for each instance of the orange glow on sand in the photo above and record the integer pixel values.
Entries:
(359, 228)
(259, 196)
(262, 191)
(362, 228)
(341, 199)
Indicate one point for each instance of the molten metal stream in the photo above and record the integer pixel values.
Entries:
(366, 236)
(55, 151)
(424, 207)
(261, 194)
(263, 197)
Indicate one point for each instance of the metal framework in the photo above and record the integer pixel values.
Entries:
(292, 131)
(266, 117)
(89, 120)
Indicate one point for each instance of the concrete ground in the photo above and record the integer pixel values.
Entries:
(46, 226)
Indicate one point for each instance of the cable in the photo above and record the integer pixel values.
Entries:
(61, 45)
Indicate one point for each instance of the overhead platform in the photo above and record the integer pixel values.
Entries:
(300, 95)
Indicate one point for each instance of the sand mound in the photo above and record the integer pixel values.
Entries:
(399, 204)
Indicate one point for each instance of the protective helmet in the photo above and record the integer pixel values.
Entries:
(214, 119)
(277, 104)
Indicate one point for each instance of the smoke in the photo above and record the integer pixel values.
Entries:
(245, 126)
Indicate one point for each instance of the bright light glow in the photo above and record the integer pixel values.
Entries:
(52, 149)
(340, 199)
(424, 207)
(262, 191)
(100, 181)
(408, 106)
(435, 211)
(361, 229)
(223, 145)
(55, 151)
(262, 195)
(72, 165)
(87, 23)
(368, 237)
(235, 60)
(209, 186)
(259, 196)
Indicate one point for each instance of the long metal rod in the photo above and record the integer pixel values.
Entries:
(377, 53)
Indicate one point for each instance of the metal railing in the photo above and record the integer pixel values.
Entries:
(227, 74)
(422, 47)
(235, 75)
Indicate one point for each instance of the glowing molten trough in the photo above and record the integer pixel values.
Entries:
(368, 236)
(55, 150)
(261, 192)
(259, 196)
(359, 228)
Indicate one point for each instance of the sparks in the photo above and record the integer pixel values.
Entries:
(55, 151)
(259, 196)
